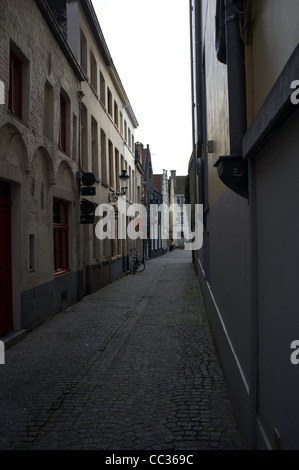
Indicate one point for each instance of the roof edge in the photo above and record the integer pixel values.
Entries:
(96, 30)
(58, 35)
(100, 39)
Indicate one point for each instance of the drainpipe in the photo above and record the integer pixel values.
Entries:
(196, 82)
(192, 76)
(233, 169)
(238, 174)
(253, 290)
(235, 56)
(235, 59)
(193, 105)
(80, 95)
(199, 110)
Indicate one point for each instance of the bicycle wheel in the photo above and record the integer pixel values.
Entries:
(140, 266)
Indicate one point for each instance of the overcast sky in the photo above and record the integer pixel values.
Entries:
(150, 47)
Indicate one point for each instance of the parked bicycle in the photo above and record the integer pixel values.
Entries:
(138, 265)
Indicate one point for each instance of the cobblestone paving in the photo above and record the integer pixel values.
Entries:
(132, 367)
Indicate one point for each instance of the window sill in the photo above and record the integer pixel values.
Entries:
(129, 148)
(94, 90)
(103, 105)
(21, 120)
(97, 264)
(60, 273)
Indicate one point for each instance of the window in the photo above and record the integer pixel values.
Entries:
(93, 73)
(111, 165)
(133, 187)
(129, 137)
(103, 158)
(117, 172)
(115, 113)
(16, 86)
(83, 52)
(109, 95)
(64, 123)
(121, 123)
(94, 147)
(62, 127)
(61, 236)
(84, 142)
(31, 253)
(48, 117)
(102, 90)
(75, 138)
(130, 184)
(2, 92)
(126, 131)
(19, 79)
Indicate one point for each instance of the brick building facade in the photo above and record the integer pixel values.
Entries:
(57, 124)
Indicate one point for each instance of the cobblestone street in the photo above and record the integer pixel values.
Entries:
(132, 367)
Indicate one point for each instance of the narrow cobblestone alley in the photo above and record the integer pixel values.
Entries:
(132, 367)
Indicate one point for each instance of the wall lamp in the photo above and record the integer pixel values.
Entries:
(113, 197)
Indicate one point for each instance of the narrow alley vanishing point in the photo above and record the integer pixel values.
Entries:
(131, 367)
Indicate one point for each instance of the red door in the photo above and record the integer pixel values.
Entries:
(6, 315)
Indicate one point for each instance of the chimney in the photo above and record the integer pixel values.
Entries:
(138, 150)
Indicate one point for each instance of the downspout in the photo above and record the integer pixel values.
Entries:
(233, 169)
(193, 105)
(253, 289)
(192, 74)
(237, 173)
(199, 111)
(235, 59)
(80, 95)
(196, 83)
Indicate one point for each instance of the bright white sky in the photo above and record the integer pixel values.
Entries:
(149, 42)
